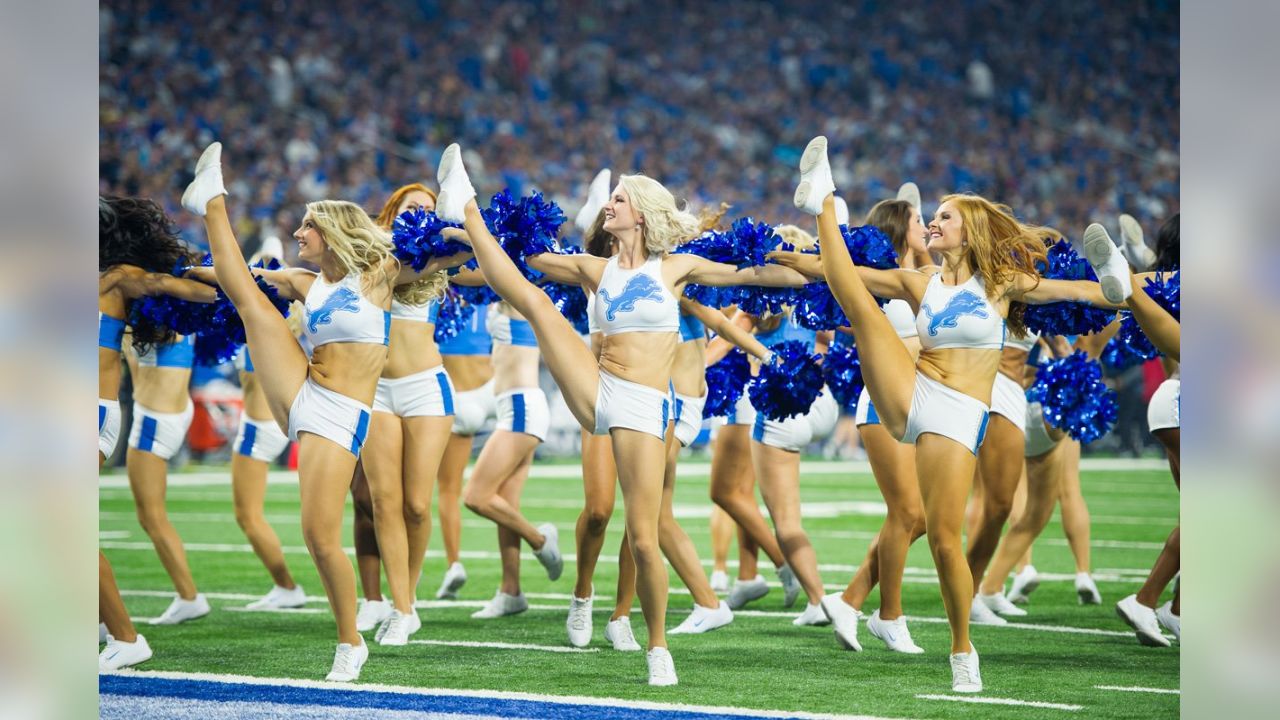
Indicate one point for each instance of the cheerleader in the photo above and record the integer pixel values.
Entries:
(637, 311)
(941, 402)
(137, 246)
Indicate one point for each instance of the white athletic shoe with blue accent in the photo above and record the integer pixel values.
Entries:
(980, 614)
(911, 193)
(347, 662)
(597, 196)
(662, 669)
(844, 620)
(618, 633)
(180, 611)
(280, 598)
(502, 605)
(1001, 605)
(454, 578)
(578, 624)
(1024, 583)
(1108, 263)
(1087, 590)
(745, 591)
(812, 615)
(1169, 621)
(704, 619)
(790, 585)
(719, 581)
(549, 553)
(372, 613)
(893, 633)
(119, 654)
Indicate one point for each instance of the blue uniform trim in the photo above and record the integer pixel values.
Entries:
(757, 428)
(666, 414)
(386, 327)
(180, 354)
(517, 413)
(982, 431)
(147, 437)
(691, 328)
(362, 427)
(433, 311)
(248, 360)
(102, 416)
(110, 332)
(250, 436)
(445, 393)
(873, 418)
(522, 334)
(474, 338)
(679, 408)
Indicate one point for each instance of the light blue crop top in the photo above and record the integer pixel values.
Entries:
(958, 317)
(787, 330)
(635, 300)
(421, 313)
(178, 354)
(507, 330)
(473, 338)
(691, 328)
(340, 313)
(110, 332)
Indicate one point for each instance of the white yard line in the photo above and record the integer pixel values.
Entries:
(978, 700)
(505, 646)
(1158, 691)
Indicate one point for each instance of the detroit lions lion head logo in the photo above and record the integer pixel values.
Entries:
(639, 287)
(965, 302)
(342, 300)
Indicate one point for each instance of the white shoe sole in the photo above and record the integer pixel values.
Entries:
(813, 154)
(1143, 637)
(1098, 250)
(211, 156)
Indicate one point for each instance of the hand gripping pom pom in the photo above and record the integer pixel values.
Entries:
(726, 380)
(788, 386)
(1074, 396)
(524, 227)
(843, 372)
(416, 238)
(1130, 345)
(1066, 318)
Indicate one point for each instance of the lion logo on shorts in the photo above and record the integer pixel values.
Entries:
(639, 287)
(965, 302)
(342, 300)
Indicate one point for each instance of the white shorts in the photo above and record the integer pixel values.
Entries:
(624, 404)
(794, 433)
(743, 413)
(688, 418)
(330, 415)
(524, 410)
(865, 414)
(1039, 441)
(473, 409)
(1009, 400)
(936, 408)
(108, 426)
(428, 393)
(260, 439)
(160, 434)
(1165, 410)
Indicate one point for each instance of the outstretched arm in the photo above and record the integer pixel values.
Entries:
(892, 284)
(1035, 290)
(291, 283)
(140, 283)
(722, 327)
(406, 274)
(721, 345)
(1161, 328)
(694, 269)
(569, 269)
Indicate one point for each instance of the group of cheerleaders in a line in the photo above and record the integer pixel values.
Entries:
(377, 380)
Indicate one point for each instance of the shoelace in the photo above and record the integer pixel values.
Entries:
(578, 617)
(961, 670)
(346, 660)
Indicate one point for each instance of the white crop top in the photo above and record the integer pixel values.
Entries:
(958, 317)
(635, 300)
(1025, 343)
(592, 327)
(901, 317)
(339, 312)
(420, 313)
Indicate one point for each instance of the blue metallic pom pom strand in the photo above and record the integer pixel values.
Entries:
(453, 316)
(571, 301)
(726, 381)
(477, 294)
(1066, 318)
(416, 238)
(524, 227)
(1130, 345)
(817, 308)
(788, 386)
(1074, 396)
(743, 245)
(869, 247)
(843, 373)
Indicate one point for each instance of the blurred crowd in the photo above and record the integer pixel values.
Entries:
(1068, 112)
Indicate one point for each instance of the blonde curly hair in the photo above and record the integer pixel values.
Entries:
(665, 225)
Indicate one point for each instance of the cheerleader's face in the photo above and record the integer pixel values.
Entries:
(946, 232)
(311, 245)
(917, 233)
(414, 200)
(619, 214)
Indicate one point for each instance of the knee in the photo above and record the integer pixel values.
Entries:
(152, 518)
(246, 517)
(995, 510)
(417, 510)
(724, 497)
(597, 520)
(475, 502)
(646, 551)
(322, 542)
(944, 546)
(907, 521)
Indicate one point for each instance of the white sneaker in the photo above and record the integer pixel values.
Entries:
(844, 620)
(549, 555)
(894, 633)
(909, 192)
(454, 578)
(745, 591)
(579, 623)
(619, 633)
(455, 186)
(662, 669)
(119, 654)
(842, 211)
(1087, 590)
(180, 611)
(719, 581)
(1001, 605)
(790, 586)
(1169, 621)
(372, 613)
(704, 619)
(1135, 247)
(815, 177)
(1108, 263)
(103, 635)
(597, 196)
(347, 662)
(502, 605)
(207, 183)
(965, 674)
(980, 614)
(399, 627)
(1024, 583)
(280, 597)
(812, 615)
(1143, 621)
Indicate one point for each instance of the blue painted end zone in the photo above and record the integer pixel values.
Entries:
(424, 702)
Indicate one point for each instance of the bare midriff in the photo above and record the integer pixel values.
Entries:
(468, 372)
(689, 371)
(162, 389)
(412, 349)
(514, 366)
(643, 358)
(349, 369)
(1012, 361)
(968, 370)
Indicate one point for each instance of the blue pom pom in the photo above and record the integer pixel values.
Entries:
(416, 238)
(1074, 396)
(843, 372)
(869, 247)
(524, 227)
(454, 315)
(1130, 345)
(477, 295)
(571, 301)
(788, 386)
(744, 245)
(817, 308)
(761, 301)
(726, 381)
(1066, 318)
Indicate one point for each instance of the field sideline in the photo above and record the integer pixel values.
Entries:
(1063, 660)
